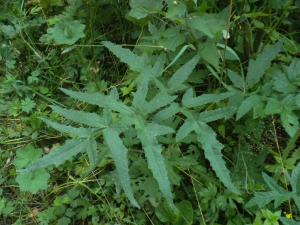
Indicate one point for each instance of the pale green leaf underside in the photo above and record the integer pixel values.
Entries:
(236, 79)
(156, 161)
(295, 179)
(119, 155)
(257, 67)
(179, 54)
(290, 122)
(71, 131)
(158, 67)
(146, 107)
(91, 150)
(216, 114)
(100, 100)
(167, 112)
(212, 149)
(90, 98)
(159, 101)
(139, 97)
(134, 61)
(189, 101)
(213, 152)
(186, 128)
(158, 130)
(182, 74)
(272, 184)
(247, 105)
(59, 155)
(88, 119)
(142, 8)
(261, 199)
(209, 24)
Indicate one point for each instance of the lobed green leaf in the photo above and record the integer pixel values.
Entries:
(257, 67)
(182, 74)
(134, 61)
(59, 155)
(88, 119)
(119, 155)
(190, 102)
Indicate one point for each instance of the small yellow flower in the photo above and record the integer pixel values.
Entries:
(289, 215)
